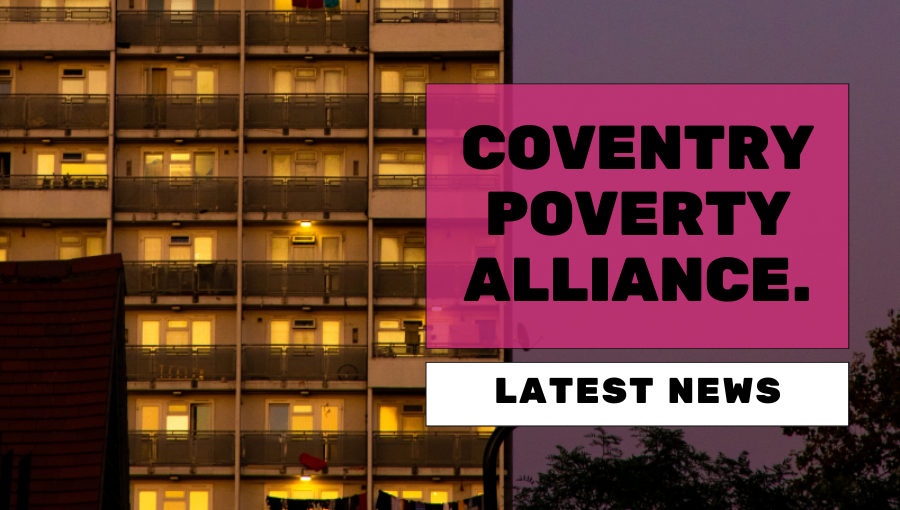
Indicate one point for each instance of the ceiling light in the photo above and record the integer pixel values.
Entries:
(305, 223)
(305, 478)
(46, 141)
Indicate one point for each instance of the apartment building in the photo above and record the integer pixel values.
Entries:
(260, 167)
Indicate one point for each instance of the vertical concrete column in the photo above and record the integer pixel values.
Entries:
(111, 139)
(370, 294)
(239, 299)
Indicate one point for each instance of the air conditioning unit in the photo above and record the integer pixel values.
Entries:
(304, 324)
(303, 239)
(73, 73)
(180, 240)
(413, 322)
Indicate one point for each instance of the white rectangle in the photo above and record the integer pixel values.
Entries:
(466, 394)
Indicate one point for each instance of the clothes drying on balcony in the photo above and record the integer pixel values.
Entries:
(357, 502)
(308, 4)
(389, 502)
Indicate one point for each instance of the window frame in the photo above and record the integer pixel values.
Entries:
(167, 161)
(164, 320)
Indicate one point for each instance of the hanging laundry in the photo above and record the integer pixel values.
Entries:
(299, 3)
(314, 463)
(331, 4)
(315, 4)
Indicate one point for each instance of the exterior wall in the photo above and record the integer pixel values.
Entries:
(354, 407)
(131, 153)
(258, 157)
(260, 73)
(257, 239)
(44, 76)
(129, 239)
(131, 75)
(38, 243)
(256, 325)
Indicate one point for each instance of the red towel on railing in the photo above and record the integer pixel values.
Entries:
(314, 463)
(316, 4)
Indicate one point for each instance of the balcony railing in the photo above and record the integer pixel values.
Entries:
(177, 112)
(304, 363)
(176, 194)
(307, 28)
(285, 448)
(399, 181)
(317, 279)
(180, 363)
(54, 111)
(399, 280)
(443, 181)
(181, 448)
(47, 14)
(283, 194)
(400, 111)
(178, 28)
(53, 182)
(215, 278)
(437, 15)
(407, 350)
(306, 111)
(429, 449)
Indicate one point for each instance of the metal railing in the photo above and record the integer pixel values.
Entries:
(181, 448)
(285, 448)
(305, 279)
(307, 28)
(54, 111)
(178, 28)
(400, 111)
(180, 363)
(399, 181)
(281, 194)
(399, 280)
(176, 194)
(406, 350)
(306, 111)
(49, 14)
(437, 15)
(304, 362)
(429, 449)
(178, 111)
(53, 182)
(217, 278)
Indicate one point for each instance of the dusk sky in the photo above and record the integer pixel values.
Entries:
(763, 41)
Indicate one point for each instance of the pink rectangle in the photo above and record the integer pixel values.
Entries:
(810, 231)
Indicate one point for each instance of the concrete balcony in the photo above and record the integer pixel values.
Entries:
(400, 116)
(399, 284)
(177, 283)
(176, 198)
(174, 453)
(53, 115)
(177, 116)
(402, 365)
(271, 367)
(178, 33)
(279, 32)
(335, 283)
(398, 196)
(343, 196)
(429, 453)
(437, 30)
(54, 196)
(277, 450)
(307, 115)
(56, 29)
(181, 367)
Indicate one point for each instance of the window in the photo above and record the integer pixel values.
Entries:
(408, 249)
(308, 80)
(403, 80)
(303, 491)
(401, 163)
(197, 247)
(439, 497)
(191, 80)
(404, 337)
(79, 81)
(73, 245)
(4, 247)
(307, 164)
(6, 81)
(181, 331)
(304, 332)
(485, 73)
(180, 163)
(306, 416)
(401, 418)
(180, 499)
(71, 162)
(304, 246)
(175, 417)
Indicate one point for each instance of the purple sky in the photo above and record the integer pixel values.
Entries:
(763, 41)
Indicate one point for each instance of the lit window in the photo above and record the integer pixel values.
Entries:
(147, 500)
(412, 494)
(4, 247)
(440, 497)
